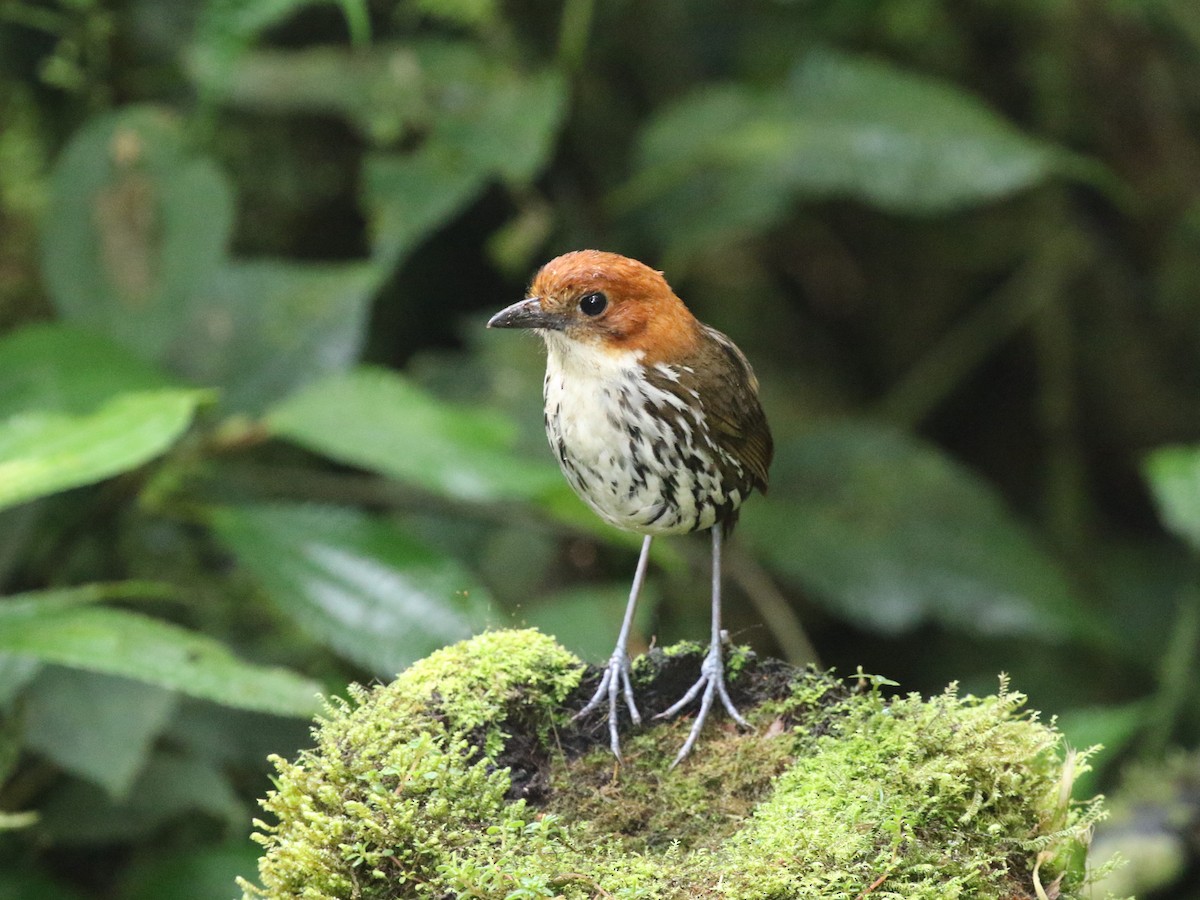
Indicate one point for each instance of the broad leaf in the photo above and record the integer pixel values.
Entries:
(684, 193)
(408, 196)
(585, 620)
(266, 328)
(730, 159)
(19, 881)
(75, 409)
(43, 453)
(96, 726)
(468, 117)
(378, 89)
(890, 533)
(362, 586)
(904, 141)
(15, 673)
(485, 121)
(65, 369)
(238, 22)
(1174, 476)
(171, 787)
(135, 247)
(136, 223)
(510, 127)
(63, 627)
(1114, 727)
(378, 420)
(233, 737)
(196, 872)
(478, 14)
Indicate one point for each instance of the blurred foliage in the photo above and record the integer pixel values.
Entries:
(254, 442)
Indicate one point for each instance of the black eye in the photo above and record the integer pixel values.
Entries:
(593, 304)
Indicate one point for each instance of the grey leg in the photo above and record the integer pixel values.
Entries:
(616, 677)
(712, 670)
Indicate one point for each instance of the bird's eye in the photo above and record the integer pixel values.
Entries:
(593, 304)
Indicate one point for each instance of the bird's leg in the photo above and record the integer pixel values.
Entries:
(616, 677)
(712, 670)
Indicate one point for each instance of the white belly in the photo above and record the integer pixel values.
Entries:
(636, 469)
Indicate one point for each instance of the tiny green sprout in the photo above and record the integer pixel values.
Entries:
(875, 682)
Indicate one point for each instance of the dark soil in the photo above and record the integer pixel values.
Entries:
(660, 679)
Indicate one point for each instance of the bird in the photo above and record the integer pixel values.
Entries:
(656, 422)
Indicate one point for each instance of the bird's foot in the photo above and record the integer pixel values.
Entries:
(614, 685)
(711, 684)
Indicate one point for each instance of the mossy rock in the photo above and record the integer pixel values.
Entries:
(465, 777)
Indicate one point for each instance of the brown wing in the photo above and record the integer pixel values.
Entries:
(731, 403)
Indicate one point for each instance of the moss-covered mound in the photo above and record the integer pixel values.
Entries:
(466, 778)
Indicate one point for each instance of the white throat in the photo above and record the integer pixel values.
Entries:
(577, 361)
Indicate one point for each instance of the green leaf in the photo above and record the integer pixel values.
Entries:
(378, 420)
(512, 128)
(171, 787)
(890, 533)
(274, 326)
(75, 409)
(15, 821)
(408, 196)
(469, 117)
(1114, 727)
(682, 178)
(904, 141)
(245, 20)
(488, 115)
(65, 369)
(96, 726)
(62, 627)
(362, 586)
(17, 881)
(135, 247)
(1174, 477)
(197, 873)
(227, 27)
(233, 737)
(730, 159)
(378, 89)
(136, 224)
(81, 595)
(585, 620)
(485, 120)
(15, 673)
(43, 453)
(467, 13)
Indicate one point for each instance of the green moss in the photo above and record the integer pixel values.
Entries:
(950, 797)
(409, 792)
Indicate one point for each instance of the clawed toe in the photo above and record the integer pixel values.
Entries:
(614, 685)
(710, 684)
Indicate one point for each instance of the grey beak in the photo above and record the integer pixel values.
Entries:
(527, 313)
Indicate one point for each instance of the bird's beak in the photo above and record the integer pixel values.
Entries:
(526, 313)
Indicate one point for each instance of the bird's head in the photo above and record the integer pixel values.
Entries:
(607, 302)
